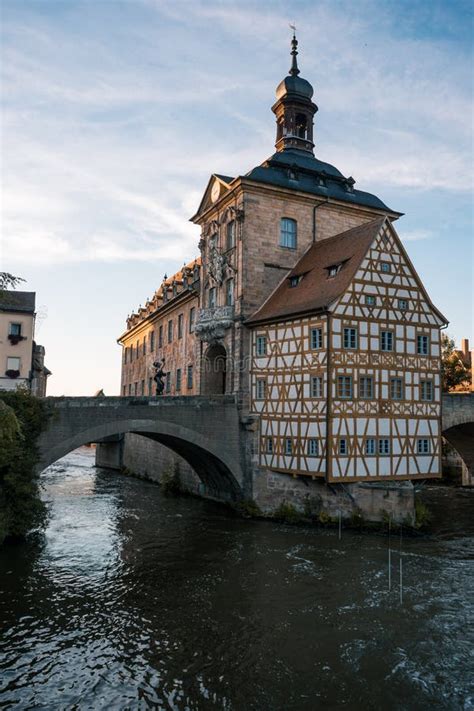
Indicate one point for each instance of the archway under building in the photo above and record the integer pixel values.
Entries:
(461, 439)
(214, 370)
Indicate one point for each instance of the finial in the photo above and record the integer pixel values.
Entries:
(294, 71)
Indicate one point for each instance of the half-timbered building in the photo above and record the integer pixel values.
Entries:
(346, 364)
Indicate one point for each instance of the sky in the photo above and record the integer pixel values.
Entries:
(115, 113)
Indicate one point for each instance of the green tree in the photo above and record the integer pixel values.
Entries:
(454, 372)
(9, 281)
(22, 419)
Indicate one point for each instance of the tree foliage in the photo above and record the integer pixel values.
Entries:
(9, 281)
(454, 372)
(22, 419)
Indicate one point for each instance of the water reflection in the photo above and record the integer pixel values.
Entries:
(135, 601)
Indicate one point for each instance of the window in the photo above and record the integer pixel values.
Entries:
(403, 304)
(212, 297)
(423, 446)
(129, 389)
(295, 280)
(396, 388)
(13, 363)
(384, 446)
(14, 329)
(316, 386)
(288, 446)
(137, 352)
(426, 390)
(230, 234)
(288, 233)
(168, 383)
(170, 331)
(385, 267)
(344, 386)
(178, 380)
(422, 345)
(192, 319)
(152, 341)
(370, 447)
(261, 389)
(261, 345)
(124, 390)
(366, 387)
(190, 377)
(342, 445)
(386, 341)
(150, 386)
(144, 345)
(333, 270)
(160, 337)
(316, 338)
(370, 300)
(142, 391)
(229, 292)
(135, 389)
(269, 445)
(301, 125)
(313, 447)
(125, 355)
(350, 338)
(180, 325)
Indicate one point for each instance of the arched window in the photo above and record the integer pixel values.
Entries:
(301, 125)
(288, 233)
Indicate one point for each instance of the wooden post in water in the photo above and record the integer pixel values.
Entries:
(389, 554)
(401, 568)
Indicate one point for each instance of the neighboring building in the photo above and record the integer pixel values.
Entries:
(291, 252)
(21, 360)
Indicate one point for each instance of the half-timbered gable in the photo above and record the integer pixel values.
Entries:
(353, 314)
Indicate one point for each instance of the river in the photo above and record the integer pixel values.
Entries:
(131, 600)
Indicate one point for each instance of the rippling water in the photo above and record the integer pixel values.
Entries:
(136, 601)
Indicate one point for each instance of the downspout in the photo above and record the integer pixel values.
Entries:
(315, 207)
(328, 394)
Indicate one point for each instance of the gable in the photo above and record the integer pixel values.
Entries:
(217, 187)
(399, 283)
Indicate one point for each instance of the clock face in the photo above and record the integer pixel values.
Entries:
(216, 191)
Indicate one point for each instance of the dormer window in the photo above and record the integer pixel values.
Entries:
(334, 270)
(175, 289)
(295, 280)
(292, 174)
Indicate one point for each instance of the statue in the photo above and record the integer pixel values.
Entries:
(159, 376)
(217, 265)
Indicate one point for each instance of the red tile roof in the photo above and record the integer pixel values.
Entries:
(317, 290)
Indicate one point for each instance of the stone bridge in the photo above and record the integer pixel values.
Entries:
(205, 431)
(208, 432)
(458, 430)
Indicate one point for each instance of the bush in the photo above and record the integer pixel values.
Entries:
(22, 419)
(248, 508)
(287, 513)
(422, 514)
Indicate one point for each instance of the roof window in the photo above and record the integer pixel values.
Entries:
(334, 269)
(295, 280)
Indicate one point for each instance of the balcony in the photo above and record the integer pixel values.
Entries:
(213, 322)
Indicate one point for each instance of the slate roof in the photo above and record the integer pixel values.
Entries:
(21, 301)
(313, 176)
(316, 291)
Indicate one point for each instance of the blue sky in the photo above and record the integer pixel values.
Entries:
(114, 114)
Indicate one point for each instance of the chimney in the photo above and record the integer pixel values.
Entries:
(465, 349)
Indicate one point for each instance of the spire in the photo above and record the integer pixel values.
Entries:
(294, 71)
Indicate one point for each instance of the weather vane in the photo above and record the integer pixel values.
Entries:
(293, 27)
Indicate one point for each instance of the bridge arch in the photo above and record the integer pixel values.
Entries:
(211, 460)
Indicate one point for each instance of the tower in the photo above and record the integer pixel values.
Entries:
(294, 109)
